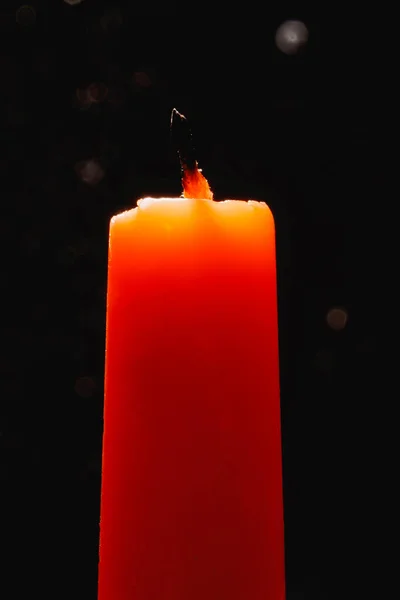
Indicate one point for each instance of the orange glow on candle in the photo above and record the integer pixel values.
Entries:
(191, 505)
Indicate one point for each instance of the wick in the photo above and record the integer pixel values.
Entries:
(195, 185)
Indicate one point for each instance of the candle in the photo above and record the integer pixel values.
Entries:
(191, 504)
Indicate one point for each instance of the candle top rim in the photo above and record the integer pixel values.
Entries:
(143, 203)
(146, 203)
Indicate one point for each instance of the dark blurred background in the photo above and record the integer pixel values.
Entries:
(291, 116)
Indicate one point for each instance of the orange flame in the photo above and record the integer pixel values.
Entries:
(195, 185)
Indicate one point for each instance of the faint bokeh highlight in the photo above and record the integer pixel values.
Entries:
(92, 94)
(337, 318)
(89, 171)
(291, 37)
(97, 92)
(142, 79)
(85, 387)
(26, 16)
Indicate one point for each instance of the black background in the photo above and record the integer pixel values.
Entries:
(301, 132)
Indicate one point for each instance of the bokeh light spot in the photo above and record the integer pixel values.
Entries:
(97, 92)
(337, 318)
(291, 37)
(142, 79)
(93, 94)
(26, 16)
(85, 387)
(89, 171)
(83, 98)
(73, 2)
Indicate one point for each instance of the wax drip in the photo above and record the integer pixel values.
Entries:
(195, 185)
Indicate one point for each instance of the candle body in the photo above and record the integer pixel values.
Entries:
(191, 503)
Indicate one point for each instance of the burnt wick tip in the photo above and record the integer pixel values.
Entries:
(182, 139)
(195, 185)
(175, 114)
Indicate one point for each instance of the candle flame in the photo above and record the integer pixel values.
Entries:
(195, 185)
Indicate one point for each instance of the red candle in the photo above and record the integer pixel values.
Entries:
(192, 480)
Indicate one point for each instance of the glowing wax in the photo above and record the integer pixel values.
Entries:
(192, 487)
